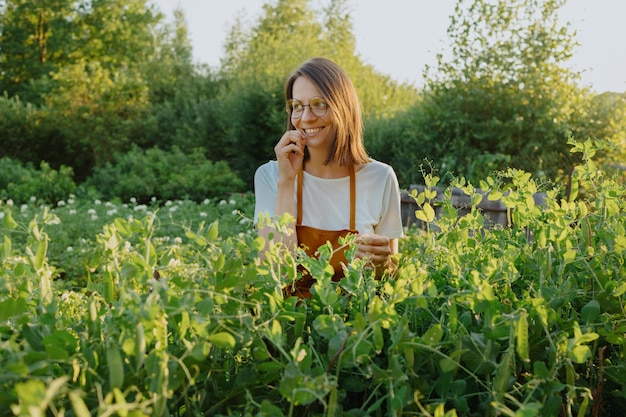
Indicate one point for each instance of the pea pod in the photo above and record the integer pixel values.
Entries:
(116, 367)
(140, 345)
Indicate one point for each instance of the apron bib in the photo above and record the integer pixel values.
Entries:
(311, 238)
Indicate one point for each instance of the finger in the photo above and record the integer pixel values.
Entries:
(372, 239)
(289, 145)
(375, 259)
(293, 136)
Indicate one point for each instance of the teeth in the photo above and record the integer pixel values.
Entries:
(311, 131)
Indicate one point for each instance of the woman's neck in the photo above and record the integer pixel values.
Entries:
(316, 167)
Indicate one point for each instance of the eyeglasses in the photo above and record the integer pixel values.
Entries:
(317, 105)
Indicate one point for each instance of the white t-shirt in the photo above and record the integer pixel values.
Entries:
(326, 202)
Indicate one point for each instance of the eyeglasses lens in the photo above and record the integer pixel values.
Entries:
(317, 105)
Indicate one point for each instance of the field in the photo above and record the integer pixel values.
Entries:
(133, 310)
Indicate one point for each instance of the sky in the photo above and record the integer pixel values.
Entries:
(400, 37)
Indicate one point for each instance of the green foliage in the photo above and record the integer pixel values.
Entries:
(259, 60)
(22, 182)
(506, 91)
(98, 110)
(39, 38)
(84, 80)
(164, 175)
(525, 320)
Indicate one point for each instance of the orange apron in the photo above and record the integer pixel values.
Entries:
(310, 239)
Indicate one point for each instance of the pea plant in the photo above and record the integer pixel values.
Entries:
(151, 314)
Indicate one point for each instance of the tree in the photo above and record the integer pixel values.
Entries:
(41, 37)
(99, 111)
(258, 61)
(505, 95)
(36, 38)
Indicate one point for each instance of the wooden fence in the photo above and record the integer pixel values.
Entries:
(495, 212)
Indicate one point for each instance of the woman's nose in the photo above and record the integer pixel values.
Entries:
(307, 114)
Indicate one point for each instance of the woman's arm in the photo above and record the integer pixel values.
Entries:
(289, 155)
(284, 205)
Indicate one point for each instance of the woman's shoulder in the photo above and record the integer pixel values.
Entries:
(268, 169)
(374, 167)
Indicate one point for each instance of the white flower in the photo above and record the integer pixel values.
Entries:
(111, 212)
(70, 249)
(70, 201)
(178, 240)
(133, 200)
(232, 202)
(127, 245)
(153, 199)
(91, 211)
(203, 214)
(108, 204)
(234, 212)
(61, 203)
(168, 203)
(97, 202)
(141, 207)
(94, 217)
(72, 211)
(206, 201)
(33, 198)
(1, 214)
(173, 209)
(243, 221)
(9, 202)
(222, 202)
(24, 208)
(173, 262)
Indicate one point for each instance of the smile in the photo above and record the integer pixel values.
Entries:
(313, 131)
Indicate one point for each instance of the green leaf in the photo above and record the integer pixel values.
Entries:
(494, 195)
(199, 240)
(590, 311)
(580, 353)
(9, 222)
(433, 335)
(42, 249)
(123, 227)
(448, 365)
(80, 408)
(327, 326)
(224, 340)
(426, 214)
(213, 232)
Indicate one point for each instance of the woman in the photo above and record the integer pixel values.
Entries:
(323, 177)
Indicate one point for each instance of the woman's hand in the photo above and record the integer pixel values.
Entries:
(378, 249)
(374, 247)
(290, 153)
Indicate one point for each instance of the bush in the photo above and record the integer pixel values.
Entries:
(20, 182)
(165, 175)
(525, 320)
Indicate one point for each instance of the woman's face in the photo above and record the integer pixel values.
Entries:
(317, 130)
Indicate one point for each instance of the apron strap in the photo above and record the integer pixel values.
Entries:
(352, 197)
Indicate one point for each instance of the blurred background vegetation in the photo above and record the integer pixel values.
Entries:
(103, 96)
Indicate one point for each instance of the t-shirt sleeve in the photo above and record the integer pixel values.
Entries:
(390, 224)
(265, 189)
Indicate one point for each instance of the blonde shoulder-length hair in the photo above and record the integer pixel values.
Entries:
(347, 147)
